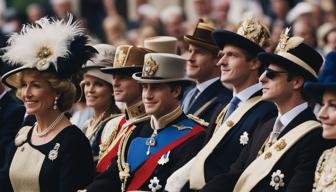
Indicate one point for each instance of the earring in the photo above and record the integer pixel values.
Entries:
(55, 103)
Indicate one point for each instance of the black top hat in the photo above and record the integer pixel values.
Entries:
(251, 36)
(202, 36)
(296, 56)
(55, 46)
(326, 79)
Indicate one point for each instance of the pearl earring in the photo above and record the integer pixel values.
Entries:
(55, 103)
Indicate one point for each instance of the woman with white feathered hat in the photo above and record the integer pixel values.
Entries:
(52, 155)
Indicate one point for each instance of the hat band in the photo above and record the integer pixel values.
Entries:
(298, 61)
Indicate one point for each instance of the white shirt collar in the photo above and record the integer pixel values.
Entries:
(3, 94)
(202, 86)
(290, 115)
(245, 94)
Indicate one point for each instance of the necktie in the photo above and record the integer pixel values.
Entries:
(232, 106)
(276, 130)
(192, 99)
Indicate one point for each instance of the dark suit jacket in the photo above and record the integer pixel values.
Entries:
(229, 148)
(11, 117)
(216, 92)
(297, 164)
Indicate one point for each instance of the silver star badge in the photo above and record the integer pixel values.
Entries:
(244, 138)
(277, 180)
(154, 184)
(164, 159)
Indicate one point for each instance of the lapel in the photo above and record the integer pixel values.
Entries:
(210, 92)
(305, 115)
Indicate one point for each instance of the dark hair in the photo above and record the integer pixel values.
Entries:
(173, 85)
(304, 94)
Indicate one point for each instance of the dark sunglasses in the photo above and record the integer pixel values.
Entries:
(271, 74)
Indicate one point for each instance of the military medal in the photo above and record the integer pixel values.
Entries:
(277, 180)
(154, 184)
(151, 142)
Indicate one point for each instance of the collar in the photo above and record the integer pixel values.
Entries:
(166, 119)
(245, 94)
(135, 111)
(202, 86)
(3, 94)
(286, 118)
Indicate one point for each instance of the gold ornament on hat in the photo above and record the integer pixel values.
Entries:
(43, 54)
(150, 67)
(120, 59)
(253, 30)
(286, 43)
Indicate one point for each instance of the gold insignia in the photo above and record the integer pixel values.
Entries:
(150, 67)
(181, 127)
(120, 58)
(286, 43)
(198, 120)
(136, 110)
(43, 55)
(253, 30)
(229, 123)
(268, 155)
(280, 146)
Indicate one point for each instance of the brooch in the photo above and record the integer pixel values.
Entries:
(280, 146)
(54, 152)
(244, 138)
(154, 184)
(277, 180)
(150, 67)
(164, 159)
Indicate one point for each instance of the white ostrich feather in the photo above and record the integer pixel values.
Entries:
(53, 35)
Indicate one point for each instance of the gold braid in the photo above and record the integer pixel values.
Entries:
(123, 166)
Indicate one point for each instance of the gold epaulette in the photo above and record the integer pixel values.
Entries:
(198, 120)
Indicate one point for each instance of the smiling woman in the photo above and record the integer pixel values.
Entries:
(52, 155)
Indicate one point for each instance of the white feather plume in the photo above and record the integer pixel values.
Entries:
(56, 35)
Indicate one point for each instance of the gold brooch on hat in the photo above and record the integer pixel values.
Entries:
(286, 43)
(255, 31)
(43, 55)
(120, 59)
(150, 67)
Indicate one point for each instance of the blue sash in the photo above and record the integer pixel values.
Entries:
(137, 150)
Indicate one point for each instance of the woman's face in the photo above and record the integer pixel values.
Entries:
(98, 93)
(37, 94)
(327, 114)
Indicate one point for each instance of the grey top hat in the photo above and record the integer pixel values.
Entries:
(163, 68)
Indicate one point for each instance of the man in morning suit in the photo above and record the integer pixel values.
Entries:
(147, 156)
(236, 122)
(282, 154)
(209, 92)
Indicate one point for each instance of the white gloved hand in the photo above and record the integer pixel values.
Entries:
(179, 178)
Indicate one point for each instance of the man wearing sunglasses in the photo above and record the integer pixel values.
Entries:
(283, 153)
(235, 123)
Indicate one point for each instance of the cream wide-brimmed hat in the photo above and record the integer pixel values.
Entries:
(163, 68)
(104, 58)
(161, 44)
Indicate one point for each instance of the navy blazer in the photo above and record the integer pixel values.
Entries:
(216, 93)
(11, 117)
(229, 148)
(297, 164)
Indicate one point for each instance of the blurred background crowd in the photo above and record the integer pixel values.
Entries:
(119, 22)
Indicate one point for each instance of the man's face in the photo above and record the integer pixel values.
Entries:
(275, 84)
(160, 98)
(201, 63)
(234, 66)
(126, 89)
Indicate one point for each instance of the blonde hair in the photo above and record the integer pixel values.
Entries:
(64, 87)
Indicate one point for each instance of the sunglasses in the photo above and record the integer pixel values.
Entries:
(271, 74)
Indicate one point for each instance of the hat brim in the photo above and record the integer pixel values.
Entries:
(121, 70)
(184, 81)
(316, 89)
(9, 78)
(199, 42)
(224, 37)
(271, 58)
